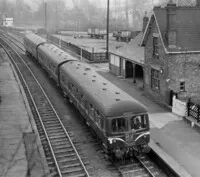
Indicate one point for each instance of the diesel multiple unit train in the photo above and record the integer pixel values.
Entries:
(119, 121)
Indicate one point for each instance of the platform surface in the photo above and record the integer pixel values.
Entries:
(14, 122)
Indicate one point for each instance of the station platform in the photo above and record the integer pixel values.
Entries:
(15, 125)
(171, 137)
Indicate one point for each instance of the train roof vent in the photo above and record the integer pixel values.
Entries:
(104, 89)
(87, 69)
(77, 67)
(117, 93)
(117, 99)
(104, 83)
(93, 80)
(84, 73)
(71, 62)
(79, 64)
(94, 76)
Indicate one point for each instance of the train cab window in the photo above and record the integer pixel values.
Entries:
(91, 111)
(98, 118)
(119, 125)
(138, 122)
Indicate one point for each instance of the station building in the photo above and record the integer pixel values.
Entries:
(7, 21)
(171, 44)
(128, 61)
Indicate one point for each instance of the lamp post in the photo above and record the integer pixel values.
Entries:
(107, 39)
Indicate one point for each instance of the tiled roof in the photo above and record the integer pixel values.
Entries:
(187, 28)
(132, 51)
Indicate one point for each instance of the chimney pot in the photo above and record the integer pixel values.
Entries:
(198, 3)
(171, 24)
(145, 21)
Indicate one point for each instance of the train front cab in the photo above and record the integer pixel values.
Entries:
(129, 133)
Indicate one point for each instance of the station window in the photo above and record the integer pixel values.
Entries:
(119, 125)
(182, 86)
(155, 46)
(138, 122)
(155, 81)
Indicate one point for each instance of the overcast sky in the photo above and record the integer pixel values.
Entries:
(102, 3)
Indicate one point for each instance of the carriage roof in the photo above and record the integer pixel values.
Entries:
(105, 96)
(54, 53)
(35, 39)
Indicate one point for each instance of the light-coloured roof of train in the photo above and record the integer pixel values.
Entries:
(105, 96)
(54, 53)
(35, 38)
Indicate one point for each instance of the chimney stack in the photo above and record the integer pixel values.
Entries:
(145, 21)
(171, 24)
(198, 3)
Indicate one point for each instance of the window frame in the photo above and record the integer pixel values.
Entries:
(143, 121)
(155, 47)
(155, 79)
(117, 131)
(182, 86)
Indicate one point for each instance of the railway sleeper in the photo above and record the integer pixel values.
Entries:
(59, 143)
(58, 133)
(70, 164)
(61, 146)
(60, 140)
(64, 151)
(56, 136)
(132, 166)
(73, 158)
(75, 170)
(51, 119)
(49, 126)
(54, 128)
(136, 172)
(64, 156)
(55, 131)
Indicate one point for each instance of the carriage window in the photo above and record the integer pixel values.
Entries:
(138, 122)
(91, 107)
(102, 124)
(119, 125)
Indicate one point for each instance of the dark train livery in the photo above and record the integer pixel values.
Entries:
(120, 121)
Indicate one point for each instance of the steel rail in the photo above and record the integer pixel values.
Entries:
(13, 41)
(80, 160)
(146, 168)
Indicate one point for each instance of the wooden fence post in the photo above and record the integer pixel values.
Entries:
(188, 107)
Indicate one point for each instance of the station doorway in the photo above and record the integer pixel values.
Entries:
(138, 79)
(139, 72)
(129, 69)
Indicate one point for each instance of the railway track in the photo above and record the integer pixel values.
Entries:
(62, 156)
(14, 40)
(141, 167)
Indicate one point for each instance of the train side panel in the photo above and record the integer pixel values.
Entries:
(91, 114)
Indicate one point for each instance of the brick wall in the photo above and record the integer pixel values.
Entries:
(156, 63)
(185, 67)
(176, 68)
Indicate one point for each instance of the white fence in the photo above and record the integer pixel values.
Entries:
(179, 107)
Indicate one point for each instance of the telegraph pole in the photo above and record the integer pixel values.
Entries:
(107, 39)
(45, 11)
